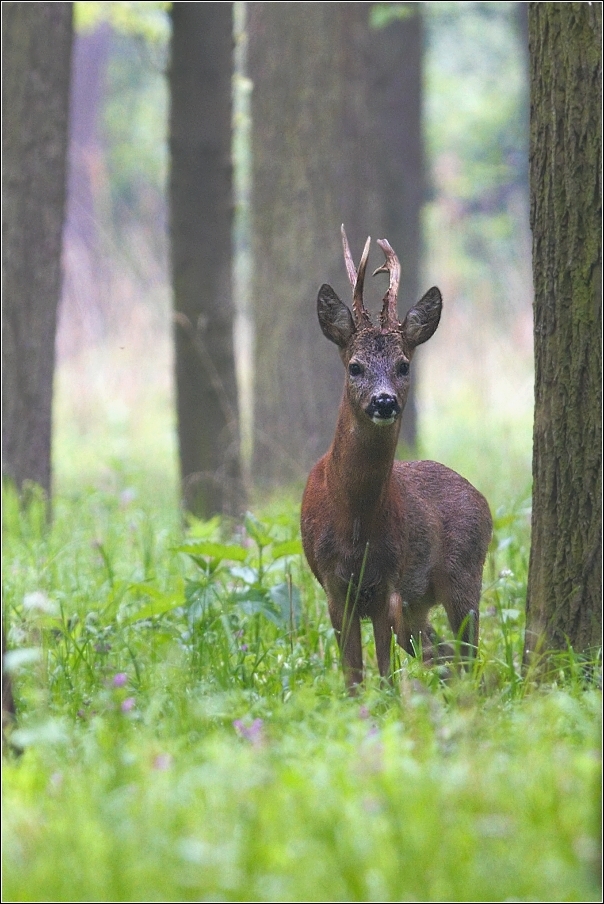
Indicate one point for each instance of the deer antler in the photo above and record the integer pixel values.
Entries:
(357, 279)
(388, 316)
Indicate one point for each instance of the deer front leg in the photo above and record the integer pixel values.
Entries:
(415, 632)
(347, 628)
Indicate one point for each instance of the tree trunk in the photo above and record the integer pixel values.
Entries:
(201, 248)
(335, 139)
(564, 587)
(394, 157)
(36, 40)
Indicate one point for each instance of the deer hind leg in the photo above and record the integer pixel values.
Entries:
(462, 605)
(347, 628)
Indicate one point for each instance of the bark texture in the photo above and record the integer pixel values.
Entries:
(36, 43)
(201, 210)
(335, 139)
(564, 601)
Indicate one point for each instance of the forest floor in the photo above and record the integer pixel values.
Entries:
(182, 728)
(183, 733)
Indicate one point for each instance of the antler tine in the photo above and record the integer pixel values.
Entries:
(350, 267)
(358, 308)
(357, 280)
(388, 316)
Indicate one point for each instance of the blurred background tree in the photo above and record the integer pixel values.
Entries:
(336, 137)
(36, 63)
(201, 241)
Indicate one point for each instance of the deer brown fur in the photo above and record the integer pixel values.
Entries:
(388, 539)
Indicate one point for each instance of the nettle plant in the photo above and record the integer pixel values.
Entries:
(235, 590)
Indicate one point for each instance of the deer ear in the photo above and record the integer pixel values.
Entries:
(421, 321)
(334, 317)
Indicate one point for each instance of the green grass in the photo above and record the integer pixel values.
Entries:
(182, 727)
(185, 735)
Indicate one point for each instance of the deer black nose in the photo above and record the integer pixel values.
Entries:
(383, 407)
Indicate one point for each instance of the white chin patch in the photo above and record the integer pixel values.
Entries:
(383, 421)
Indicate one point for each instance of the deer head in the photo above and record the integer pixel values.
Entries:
(377, 359)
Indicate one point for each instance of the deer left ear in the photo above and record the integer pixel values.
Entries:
(335, 318)
(423, 318)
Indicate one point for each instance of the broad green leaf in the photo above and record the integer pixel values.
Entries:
(218, 551)
(261, 607)
(160, 602)
(200, 529)
(257, 530)
(288, 602)
(287, 548)
(247, 574)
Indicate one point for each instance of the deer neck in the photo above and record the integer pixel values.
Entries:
(360, 465)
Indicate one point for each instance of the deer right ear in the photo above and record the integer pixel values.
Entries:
(334, 317)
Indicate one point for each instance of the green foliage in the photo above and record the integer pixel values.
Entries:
(145, 19)
(476, 97)
(382, 14)
(476, 219)
(181, 715)
(135, 125)
(469, 115)
(186, 735)
(134, 109)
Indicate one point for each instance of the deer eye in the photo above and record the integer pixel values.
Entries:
(403, 368)
(355, 369)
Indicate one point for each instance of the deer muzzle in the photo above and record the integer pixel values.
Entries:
(383, 409)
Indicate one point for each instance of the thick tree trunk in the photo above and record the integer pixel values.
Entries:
(564, 601)
(201, 211)
(395, 95)
(335, 139)
(36, 39)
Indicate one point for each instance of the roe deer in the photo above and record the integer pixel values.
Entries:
(388, 539)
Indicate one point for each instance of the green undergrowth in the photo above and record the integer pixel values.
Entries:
(182, 731)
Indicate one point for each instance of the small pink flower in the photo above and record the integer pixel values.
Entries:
(56, 779)
(253, 733)
(162, 761)
(128, 704)
(120, 679)
(127, 496)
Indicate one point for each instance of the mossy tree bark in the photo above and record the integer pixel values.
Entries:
(201, 211)
(335, 139)
(36, 45)
(564, 597)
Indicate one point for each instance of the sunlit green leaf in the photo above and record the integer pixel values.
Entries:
(218, 551)
(287, 548)
(160, 602)
(257, 530)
